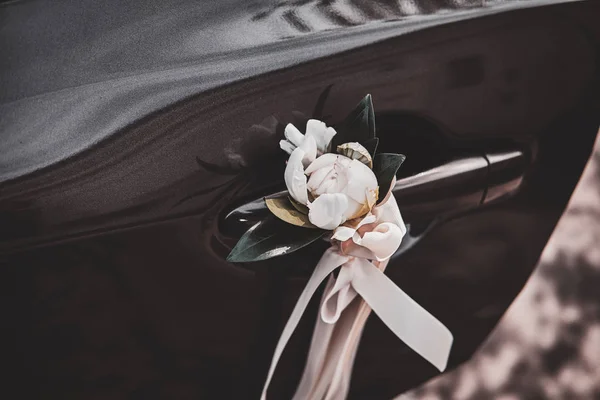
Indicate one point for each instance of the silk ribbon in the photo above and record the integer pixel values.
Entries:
(342, 315)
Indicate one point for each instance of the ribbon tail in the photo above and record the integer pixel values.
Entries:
(317, 353)
(414, 325)
(330, 260)
(319, 385)
(340, 381)
(353, 322)
(334, 347)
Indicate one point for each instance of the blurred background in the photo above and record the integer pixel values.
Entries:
(547, 345)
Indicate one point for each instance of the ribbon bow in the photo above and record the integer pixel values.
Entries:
(361, 253)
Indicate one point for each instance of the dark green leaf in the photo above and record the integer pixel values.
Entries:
(359, 125)
(272, 237)
(385, 166)
(320, 106)
(371, 145)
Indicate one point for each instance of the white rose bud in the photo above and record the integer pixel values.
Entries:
(342, 188)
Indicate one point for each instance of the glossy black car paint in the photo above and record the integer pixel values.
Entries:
(113, 237)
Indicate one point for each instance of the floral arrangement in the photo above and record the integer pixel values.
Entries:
(334, 180)
(339, 186)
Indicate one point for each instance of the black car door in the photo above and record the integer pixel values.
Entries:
(112, 247)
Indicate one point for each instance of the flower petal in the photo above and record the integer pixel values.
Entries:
(293, 135)
(295, 180)
(310, 150)
(329, 134)
(316, 178)
(327, 211)
(356, 209)
(321, 133)
(360, 179)
(322, 161)
(286, 146)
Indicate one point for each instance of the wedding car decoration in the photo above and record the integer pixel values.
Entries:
(339, 187)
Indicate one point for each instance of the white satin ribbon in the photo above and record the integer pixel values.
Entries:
(342, 317)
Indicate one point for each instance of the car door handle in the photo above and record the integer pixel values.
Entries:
(460, 185)
(453, 187)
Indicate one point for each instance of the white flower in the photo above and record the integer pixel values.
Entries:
(342, 188)
(314, 143)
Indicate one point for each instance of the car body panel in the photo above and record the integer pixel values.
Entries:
(113, 244)
(75, 73)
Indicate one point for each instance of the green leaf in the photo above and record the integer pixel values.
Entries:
(385, 166)
(371, 145)
(272, 237)
(359, 125)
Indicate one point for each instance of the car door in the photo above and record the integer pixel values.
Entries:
(113, 246)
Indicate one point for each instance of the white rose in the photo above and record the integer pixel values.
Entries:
(342, 188)
(314, 143)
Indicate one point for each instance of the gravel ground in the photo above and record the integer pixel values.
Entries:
(547, 345)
